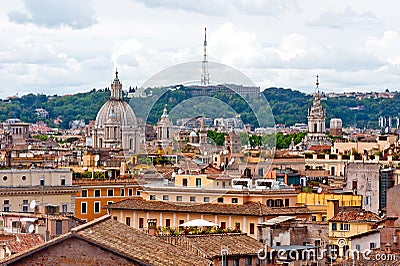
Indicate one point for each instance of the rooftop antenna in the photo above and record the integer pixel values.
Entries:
(205, 77)
(317, 83)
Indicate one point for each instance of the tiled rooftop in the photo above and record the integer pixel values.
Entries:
(250, 208)
(235, 244)
(125, 241)
(21, 242)
(355, 216)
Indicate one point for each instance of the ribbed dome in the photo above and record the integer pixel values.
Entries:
(118, 111)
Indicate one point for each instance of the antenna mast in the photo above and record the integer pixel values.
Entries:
(205, 77)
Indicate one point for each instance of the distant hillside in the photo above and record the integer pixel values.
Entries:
(288, 106)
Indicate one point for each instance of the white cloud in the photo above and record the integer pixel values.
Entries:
(385, 48)
(347, 18)
(55, 13)
(46, 46)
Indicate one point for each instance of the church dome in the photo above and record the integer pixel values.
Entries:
(116, 110)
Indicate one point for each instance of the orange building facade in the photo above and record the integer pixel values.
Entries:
(95, 194)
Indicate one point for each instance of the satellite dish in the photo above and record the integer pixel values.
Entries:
(31, 228)
(173, 175)
(32, 205)
(319, 190)
(96, 158)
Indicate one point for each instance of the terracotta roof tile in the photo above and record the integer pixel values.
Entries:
(249, 208)
(355, 216)
(123, 240)
(21, 242)
(211, 245)
(133, 243)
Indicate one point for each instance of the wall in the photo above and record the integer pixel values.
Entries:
(365, 241)
(367, 177)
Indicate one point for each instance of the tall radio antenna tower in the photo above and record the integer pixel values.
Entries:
(205, 77)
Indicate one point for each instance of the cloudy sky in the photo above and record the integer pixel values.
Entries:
(60, 47)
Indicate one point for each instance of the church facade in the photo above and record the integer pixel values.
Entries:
(116, 124)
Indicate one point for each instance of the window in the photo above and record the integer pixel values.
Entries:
(220, 200)
(192, 198)
(58, 227)
(64, 208)
(23, 178)
(137, 192)
(287, 202)
(278, 203)
(115, 218)
(234, 200)
(324, 218)
(83, 207)
(206, 199)
(63, 181)
(42, 181)
(122, 192)
(178, 198)
(110, 202)
(152, 197)
(184, 182)
(372, 245)
(130, 192)
(165, 197)
(345, 227)
(261, 172)
(167, 223)
(128, 221)
(97, 207)
(84, 193)
(5, 178)
(334, 226)
(248, 261)
(97, 193)
(6, 202)
(141, 222)
(198, 182)
(25, 208)
(314, 218)
(367, 200)
(223, 184)
(251, 228)
(223, 225)
(358, 247)
(235, 262)
(25, 201)
(181, 221)
(270, 203)
(317, 242)
(110, 192)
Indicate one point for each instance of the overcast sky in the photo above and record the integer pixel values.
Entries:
(60, 47)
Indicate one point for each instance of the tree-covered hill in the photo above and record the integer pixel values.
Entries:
(288, 107)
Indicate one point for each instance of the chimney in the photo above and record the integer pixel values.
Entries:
(332, 208)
